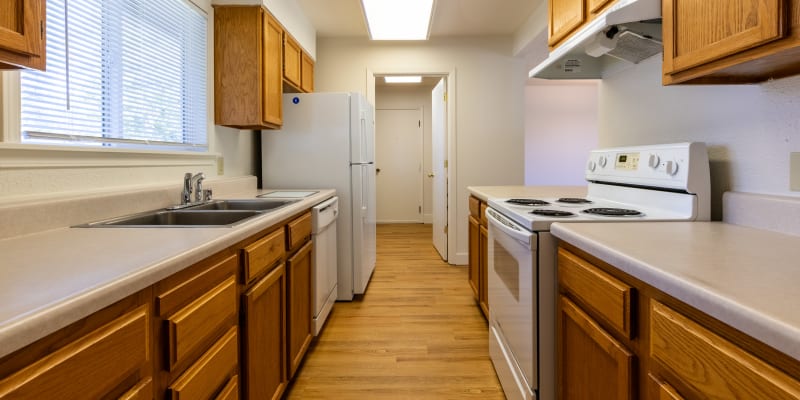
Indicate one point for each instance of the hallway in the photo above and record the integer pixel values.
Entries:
(415, 334)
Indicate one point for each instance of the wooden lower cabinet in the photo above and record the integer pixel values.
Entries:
(479, 254)
(264, 344)
(591, 363)
(674, 352)
(209, 376)
(299, 331)
(106, 355)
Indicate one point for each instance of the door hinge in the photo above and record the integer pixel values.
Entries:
(419, 124)
(445, 163)
(445, 229)
(420, 209)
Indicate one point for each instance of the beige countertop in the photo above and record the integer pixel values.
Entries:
(56, 277)
(486, 192)
(745, 277)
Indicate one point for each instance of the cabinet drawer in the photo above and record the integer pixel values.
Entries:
(263, 254)
(196, 324)
(211, 372)
(298, 231)
(231, 390)
(711, 364)
(609, 297)
(475, 207)
(142, 391)
(89, 367)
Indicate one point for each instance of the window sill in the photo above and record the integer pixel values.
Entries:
(22, 156)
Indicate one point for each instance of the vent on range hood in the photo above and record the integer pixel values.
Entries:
(627, 32)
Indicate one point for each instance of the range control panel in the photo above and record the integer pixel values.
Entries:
(672, 166)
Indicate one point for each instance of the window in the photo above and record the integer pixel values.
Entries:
(122, 73)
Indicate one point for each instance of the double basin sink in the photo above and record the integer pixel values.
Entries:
(210, 214)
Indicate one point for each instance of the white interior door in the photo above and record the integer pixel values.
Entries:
(398, 162)
(439, 170)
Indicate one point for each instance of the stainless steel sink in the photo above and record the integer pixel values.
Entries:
(176, 219)
(243, 204)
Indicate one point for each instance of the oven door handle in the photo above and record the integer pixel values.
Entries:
(509, 228)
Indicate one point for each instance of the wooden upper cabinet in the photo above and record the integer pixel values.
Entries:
(565, 16)
(247, 68)
(595, 6)
(292, 54)
(22, 24)
(730, 41)
(307, 74)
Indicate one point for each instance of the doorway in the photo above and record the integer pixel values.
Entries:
(435, 208)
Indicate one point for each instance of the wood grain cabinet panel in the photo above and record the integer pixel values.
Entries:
(591, 363)
(595, 6)
(195, 325)
(711, 364)
(209, 375)
(298, 232)
(474, 255)
(248, 63)
(299, 295)
(475, 207)
(660, 390)
(601, 292)
(22, 35)
(565, 16)
(90, 367)
(231, 390)
(142, 391)
(483, 270)
(259, 256)
(264, 344)
(292, 60)
(307, 71)
(704, 31)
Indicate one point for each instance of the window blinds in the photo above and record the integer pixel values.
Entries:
(128, 73)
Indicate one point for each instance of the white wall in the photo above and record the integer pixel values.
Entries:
(408, 98)
(749, 129)
(489, 101)
(561, 127)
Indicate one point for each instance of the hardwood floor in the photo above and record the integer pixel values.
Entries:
(416, 333)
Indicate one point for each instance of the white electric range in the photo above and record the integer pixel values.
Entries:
(668, 182)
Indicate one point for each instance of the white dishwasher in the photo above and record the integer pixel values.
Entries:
(324, 266)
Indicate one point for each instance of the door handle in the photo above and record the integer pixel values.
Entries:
(377, 171)
(430, 175)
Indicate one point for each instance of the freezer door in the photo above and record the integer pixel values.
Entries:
(363, 222)
(362, 122)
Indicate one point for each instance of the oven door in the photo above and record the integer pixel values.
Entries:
(512, 304)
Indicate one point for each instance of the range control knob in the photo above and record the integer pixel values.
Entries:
(602, 161)
(672, 168)
(591, 166)
(653, 161)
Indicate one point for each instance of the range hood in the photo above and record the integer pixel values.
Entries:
(626, 33)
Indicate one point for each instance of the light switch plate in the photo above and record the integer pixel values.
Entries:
(220, 166)
(794, 172)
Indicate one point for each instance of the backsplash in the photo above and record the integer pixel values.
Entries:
(772, 213)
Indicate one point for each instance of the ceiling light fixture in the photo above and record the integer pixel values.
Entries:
(399, 19)
(403, 79)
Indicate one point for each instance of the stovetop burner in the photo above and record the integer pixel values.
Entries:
(552, 213)
(612, 212)
(573, 200)
(528, 202)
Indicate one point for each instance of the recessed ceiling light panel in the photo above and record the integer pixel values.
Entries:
(402, 79)
(398, 19)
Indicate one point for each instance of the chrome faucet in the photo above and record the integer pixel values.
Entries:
(190, 180)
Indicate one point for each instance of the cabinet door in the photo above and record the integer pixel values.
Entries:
(211, 373)
(298, 271)
(90, 367)
(264, 345)
(698, 32)
(483, 270)
(291, 60)
(474, 256)
(595, 6)
(591, 363)
(660, 390)
(565, 17)
(21, 26)
(272, 63)
(307, 71)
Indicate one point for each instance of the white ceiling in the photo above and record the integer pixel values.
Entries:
(343, 18)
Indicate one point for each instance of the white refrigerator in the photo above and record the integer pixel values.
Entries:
(328, 141)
